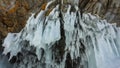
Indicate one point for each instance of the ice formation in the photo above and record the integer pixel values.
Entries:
(66, 41)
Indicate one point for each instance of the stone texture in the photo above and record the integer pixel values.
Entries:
(14, 13)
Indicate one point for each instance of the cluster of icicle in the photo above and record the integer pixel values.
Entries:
(87, 42)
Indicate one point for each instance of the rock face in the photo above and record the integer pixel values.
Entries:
(14, 13)
(64, 40)
(13, 16)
